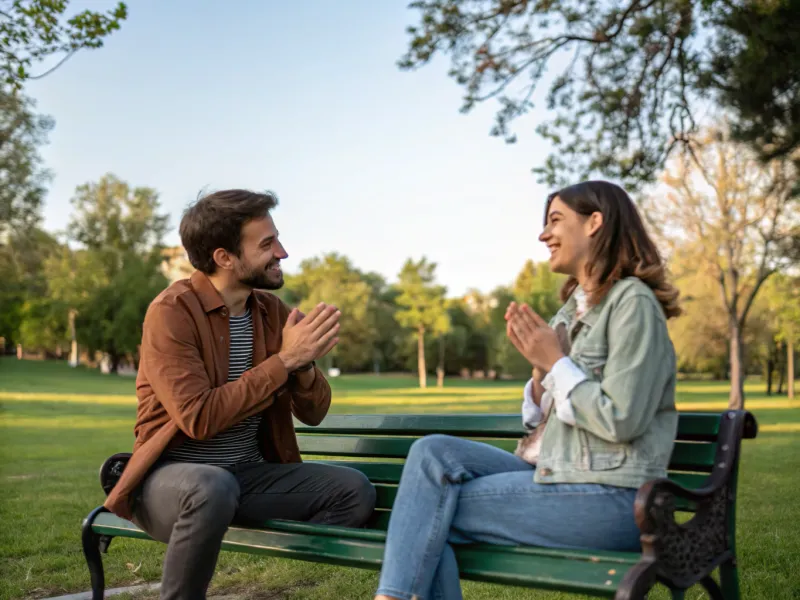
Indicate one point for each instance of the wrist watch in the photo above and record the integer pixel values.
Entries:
(304, 368)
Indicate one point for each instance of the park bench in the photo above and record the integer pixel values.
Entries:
(687, 520)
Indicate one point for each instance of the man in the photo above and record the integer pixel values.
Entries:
(223, 368)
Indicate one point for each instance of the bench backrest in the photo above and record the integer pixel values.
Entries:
(378, 444)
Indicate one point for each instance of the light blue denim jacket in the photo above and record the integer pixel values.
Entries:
(624, 411)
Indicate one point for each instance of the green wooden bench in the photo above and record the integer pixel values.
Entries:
(678, 552)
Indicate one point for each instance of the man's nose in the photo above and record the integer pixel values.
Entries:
(281, 253)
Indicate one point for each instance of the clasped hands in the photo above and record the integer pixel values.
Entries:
(307, 338)
(538, 343)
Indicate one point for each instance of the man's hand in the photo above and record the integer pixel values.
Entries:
(310, 338)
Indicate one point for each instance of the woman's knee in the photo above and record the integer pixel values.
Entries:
(433, 446)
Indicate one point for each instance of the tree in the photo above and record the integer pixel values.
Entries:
(333, 279)
(22, 259)
(120, 232)
(22, 177)
(729, 215)
(756, 69)
(441, 327)
(110, 320)
(637, 71)
(538, 287)
(422, 306)
(33, 30)
(783, 298)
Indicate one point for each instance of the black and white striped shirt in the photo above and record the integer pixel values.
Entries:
(239, 444)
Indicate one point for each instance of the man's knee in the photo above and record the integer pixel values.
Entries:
(357, 497)
(211, 495)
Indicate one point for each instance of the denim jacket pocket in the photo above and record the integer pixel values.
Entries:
(594, 360)
(602, 455)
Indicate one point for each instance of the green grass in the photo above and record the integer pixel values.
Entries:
(57, 425)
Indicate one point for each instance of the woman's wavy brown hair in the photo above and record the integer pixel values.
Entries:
(621, 248)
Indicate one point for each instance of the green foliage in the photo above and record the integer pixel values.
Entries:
(782, 295)
(22, 259)
(110, 318)
(334, 280)
(22, 177)
(33, 30)
(421, 301)
(422, 306)
(111, 218)
(538, 287)
(637, 73)
(110, 279)
(756, 70)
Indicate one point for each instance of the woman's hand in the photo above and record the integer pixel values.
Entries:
(533, 337)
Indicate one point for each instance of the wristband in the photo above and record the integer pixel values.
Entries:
(305, 368)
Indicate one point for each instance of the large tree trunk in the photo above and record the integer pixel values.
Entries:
(781, 371)
(423, 373)
(736, 399)
(790, 364)
(440, 368)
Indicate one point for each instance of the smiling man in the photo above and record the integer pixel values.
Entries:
(224, 367)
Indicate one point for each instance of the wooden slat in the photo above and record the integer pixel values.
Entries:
(690, 481)
(490, 425)
(690, 425)
(698, 426)
(692, 456)
(377, 447)
(686, 456)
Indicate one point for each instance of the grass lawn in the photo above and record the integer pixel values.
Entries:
(58, 424)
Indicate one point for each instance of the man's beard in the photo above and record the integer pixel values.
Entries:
(261, 279)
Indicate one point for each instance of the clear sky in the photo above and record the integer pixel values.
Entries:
(303, 98)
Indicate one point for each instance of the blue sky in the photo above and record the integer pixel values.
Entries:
(303, 98)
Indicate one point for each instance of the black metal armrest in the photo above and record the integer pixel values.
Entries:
(111, 470)
(681, 554)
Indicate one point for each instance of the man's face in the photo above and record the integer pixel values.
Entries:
(259, 263)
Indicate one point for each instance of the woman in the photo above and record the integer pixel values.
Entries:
(608, 387)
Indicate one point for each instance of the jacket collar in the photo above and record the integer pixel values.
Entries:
(210, 298)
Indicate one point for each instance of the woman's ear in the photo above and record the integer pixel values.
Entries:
(594, 223)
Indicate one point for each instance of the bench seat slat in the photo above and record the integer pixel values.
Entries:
(596, 573)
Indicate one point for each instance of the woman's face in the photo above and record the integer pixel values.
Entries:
(568, 236)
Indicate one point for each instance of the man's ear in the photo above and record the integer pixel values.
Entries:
(594, 223)
(223, 259)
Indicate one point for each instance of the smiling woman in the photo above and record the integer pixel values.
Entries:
(600, 409)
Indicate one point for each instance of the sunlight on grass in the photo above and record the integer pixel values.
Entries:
(58, 424)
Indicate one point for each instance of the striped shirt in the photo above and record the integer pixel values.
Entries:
(239, 444)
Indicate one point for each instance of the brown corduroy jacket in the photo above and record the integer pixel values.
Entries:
(182, 384)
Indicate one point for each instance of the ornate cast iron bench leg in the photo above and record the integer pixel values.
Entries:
(680, 555)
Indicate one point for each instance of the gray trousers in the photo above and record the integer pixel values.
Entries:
(190, 506)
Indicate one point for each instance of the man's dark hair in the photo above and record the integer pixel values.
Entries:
(216, 221)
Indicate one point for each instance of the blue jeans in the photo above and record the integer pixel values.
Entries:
(455, 491)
